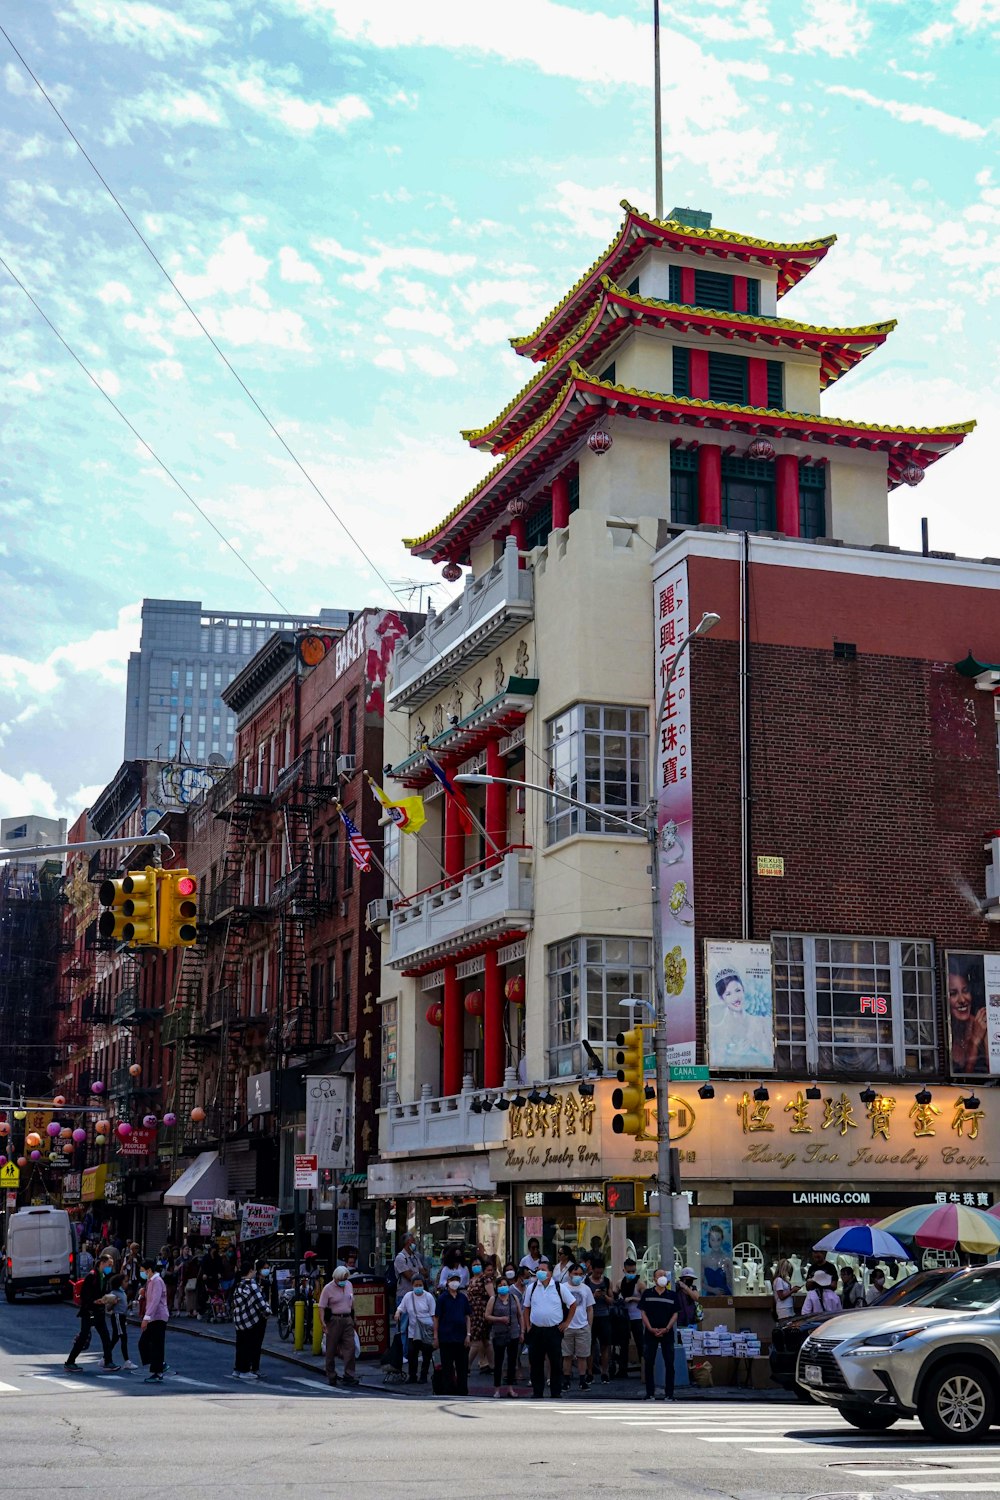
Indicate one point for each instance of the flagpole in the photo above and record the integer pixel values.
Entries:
(658, 124)
(341, 809)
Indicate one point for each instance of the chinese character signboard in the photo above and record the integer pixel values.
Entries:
(673, 793)
(739, 1006)
(326, 1120)
(139, 1143)
(974, 1012)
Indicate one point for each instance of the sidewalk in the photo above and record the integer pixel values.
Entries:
(371, 1372)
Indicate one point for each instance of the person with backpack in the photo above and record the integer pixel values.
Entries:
(548, 1309)
(250, 1312)
(92, 1290)
(504, 1317)
(116, 1303)
(821, 1298)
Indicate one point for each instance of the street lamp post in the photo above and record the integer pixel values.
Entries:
(707, 622)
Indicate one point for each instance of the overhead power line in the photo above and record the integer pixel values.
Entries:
(219, 351)
(139, 437)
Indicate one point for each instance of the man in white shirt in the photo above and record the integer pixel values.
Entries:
(407, 1265)
(576, 1339)
(548, 1308)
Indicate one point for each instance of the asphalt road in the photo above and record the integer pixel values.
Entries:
(202, 1434)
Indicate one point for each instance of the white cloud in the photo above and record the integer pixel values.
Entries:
(838, 27)
(113, 292)
(102, 654)
(914, 114)
(134, 23)
(272, 99)
(165, 105)
(433, 362)
(390, 359)
(275, 328)
(296, 270)
(420, 320)
(28, 793)
(167, 369)
(108, 381)
(234, 267)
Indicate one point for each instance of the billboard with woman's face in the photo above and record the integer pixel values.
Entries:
(739, 1005)
(973, 996)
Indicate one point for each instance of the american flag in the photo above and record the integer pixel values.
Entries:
(357, 843)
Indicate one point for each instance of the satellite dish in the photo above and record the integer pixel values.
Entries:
(215, 759)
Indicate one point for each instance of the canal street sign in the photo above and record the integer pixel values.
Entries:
(689, 1073)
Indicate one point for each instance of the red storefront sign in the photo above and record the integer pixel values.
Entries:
(371, 1316)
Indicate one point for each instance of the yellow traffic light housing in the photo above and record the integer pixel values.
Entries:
(178, 909)
(630, 1100)
(130, 914)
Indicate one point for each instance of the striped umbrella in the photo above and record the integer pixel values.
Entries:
(862, 1240)
(946, 1226)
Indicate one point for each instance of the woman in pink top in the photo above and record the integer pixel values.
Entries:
(156, 1315)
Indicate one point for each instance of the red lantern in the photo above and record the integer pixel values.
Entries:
(451, 572)
(435, 1014)
(599, 442)
(516, 506)
(197, 1114)
(124, 1130)
(514, 990)
(134, 1069)
(59, 1101)
(475, 1003)
(103, 1127)
(68, 1149)
(912, 474)
(761, 449)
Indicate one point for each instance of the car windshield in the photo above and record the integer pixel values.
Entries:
(972, 1292)
(919, 1286)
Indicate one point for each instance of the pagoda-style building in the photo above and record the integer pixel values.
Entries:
(677, 327)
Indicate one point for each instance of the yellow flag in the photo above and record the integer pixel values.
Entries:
(406, 812)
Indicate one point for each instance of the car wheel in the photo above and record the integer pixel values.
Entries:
(9, 1290)
(802, 1394)
(957, 1404)
(870, 1421)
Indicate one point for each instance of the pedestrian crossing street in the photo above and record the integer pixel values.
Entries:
(92, 1381)
(902, 1457)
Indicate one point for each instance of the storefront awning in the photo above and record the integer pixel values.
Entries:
(458, 1177)
(204, 1178)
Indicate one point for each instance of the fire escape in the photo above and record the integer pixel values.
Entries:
(31, 901)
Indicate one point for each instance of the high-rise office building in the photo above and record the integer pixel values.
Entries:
(186, 656)
(31, 831)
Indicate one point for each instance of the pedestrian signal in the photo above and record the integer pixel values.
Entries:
(178, 909)
(619, 1197)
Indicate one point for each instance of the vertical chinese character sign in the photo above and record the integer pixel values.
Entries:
(673, 793)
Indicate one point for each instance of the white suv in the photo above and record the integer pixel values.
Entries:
(937, 1359)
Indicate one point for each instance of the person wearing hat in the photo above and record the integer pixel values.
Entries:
(821, 1299)
(336, 1305)
(687, 1299)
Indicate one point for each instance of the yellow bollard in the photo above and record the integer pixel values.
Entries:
(300, 1324)
(317, 1330)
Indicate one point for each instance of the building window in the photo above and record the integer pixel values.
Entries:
(345, 991)
(727, 378)
(387, 1086)
(682, 371)
(587, 979)
(748, 502)
(775, 384)
(812, 500)
(753, 296)
(819, 1023)
(599, 755)
(351, 748)
(684, 486)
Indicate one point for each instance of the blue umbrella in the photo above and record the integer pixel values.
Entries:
(863, 1239)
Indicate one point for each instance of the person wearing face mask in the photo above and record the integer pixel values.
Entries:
(479, 1292)
(658, 1309)
(452, 1265)
(92, 1315)
(453, 1336)
(155, 1316)
(548, 1308)
(504, 1313)
(406, 1265)
(576, 1339)
(417, 1307)
(336, 1307)
(564, 1264)
(630, 1289)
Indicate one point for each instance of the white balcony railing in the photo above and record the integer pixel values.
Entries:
(488, 610)
(446, 917)
(429, 1125)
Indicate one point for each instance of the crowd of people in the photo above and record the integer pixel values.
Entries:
(568, 1317)
(821, 1280)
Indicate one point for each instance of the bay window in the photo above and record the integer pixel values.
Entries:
(587, 978)
(599, 755)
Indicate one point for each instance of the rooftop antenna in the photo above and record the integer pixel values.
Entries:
(658, 145)
(409, 586)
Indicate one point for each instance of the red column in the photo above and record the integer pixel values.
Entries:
(454, 1031)
(517, 531)
(786, 487)
(496, 802)
(493, 1038)
(560, 502)
(739, 294)
(757, 382)
(698, 373)
(710, 484)
(687, 285)
(454, 840)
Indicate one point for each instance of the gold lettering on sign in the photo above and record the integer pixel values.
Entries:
(839, 1113)
(922, 1116)
(555, 1118)
(879, 1111)
(798, 1108)
(753, 1114)
(587, 1112)
(967, 1117)
(570, 1112)
(515, 1118)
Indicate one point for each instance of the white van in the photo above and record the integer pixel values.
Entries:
(41, 1252)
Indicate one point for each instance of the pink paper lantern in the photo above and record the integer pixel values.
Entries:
(124, 1130)
(97, 1088)
(149, 1121)
(52, 1128)
(170, 1118)
(59, 1101)
(36, 1156)
(79, 1135)
(3, 1161)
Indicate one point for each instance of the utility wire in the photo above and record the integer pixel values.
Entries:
(225, 359)
(139, 437)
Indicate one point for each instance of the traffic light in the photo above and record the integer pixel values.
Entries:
(130, 908)
(178, 909)
(630, 1100)
(619, 1197)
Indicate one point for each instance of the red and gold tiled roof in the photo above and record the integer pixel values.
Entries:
(583, 402)
(638, 234)
(614, 311)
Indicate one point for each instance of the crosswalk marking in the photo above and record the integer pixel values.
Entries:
(67, 1385)
(316, 1385)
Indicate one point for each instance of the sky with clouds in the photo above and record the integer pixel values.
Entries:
(362, 202)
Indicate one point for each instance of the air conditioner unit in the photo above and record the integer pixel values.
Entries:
(343, 908)
(345, 765)
(378, 912)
